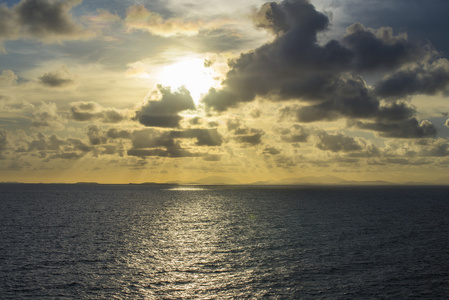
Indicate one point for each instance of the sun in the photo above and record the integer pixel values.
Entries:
(190, 73)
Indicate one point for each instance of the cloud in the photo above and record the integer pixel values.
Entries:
(45, 20)
(324, 77)
(9, 104)
(8, 78)
(253, 137)
(174, 152)
(151, 138)
(114, 133)
(427, 78)
(295, 134)
(410, 128)
(351, 99)
(8, 25)
(337, 142)
(109, 150)
(243, 134)
(140, 18)
(46, 115)
(3, 139)
(379, 49)
(89, 111)
(163, 112)
(195, 121)
(271, 150)
(153, 142)
(58, 78)
(204, 137)
(102, 21)
(291, 66)
(435, 148)
(212, 157)
(425, 22)
(272, 18)
(98, 136)
(53, 147)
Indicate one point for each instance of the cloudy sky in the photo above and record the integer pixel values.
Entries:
(123, 91)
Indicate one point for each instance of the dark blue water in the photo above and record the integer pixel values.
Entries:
(143, 242)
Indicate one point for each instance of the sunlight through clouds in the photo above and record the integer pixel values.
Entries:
(211, 92)
(190, 73)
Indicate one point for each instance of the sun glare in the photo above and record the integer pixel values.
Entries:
(190, 73)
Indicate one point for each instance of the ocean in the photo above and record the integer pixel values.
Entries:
(212, 242)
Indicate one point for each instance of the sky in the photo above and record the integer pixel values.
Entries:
(133, 91)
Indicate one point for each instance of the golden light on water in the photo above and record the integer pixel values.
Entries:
(187, 188)
(192, 248)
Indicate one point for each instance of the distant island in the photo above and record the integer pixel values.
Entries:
(225, 181)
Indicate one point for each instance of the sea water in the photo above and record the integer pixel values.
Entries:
(198, 242)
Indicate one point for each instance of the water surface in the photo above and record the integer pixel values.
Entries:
(173, 242)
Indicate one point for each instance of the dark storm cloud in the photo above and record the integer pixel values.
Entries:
(272, 18)
(355, 107)
(423, 78)
(374, 49)
(397, 111)
(337, 142)
(46, 20)
(395, 120)
(294, 66)
(88, 111)
(351, 99)
(410, 128)
(164, 111)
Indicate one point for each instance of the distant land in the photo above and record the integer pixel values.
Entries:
(293, 181)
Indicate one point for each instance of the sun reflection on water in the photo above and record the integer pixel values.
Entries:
(187, 188)
(190, 248)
